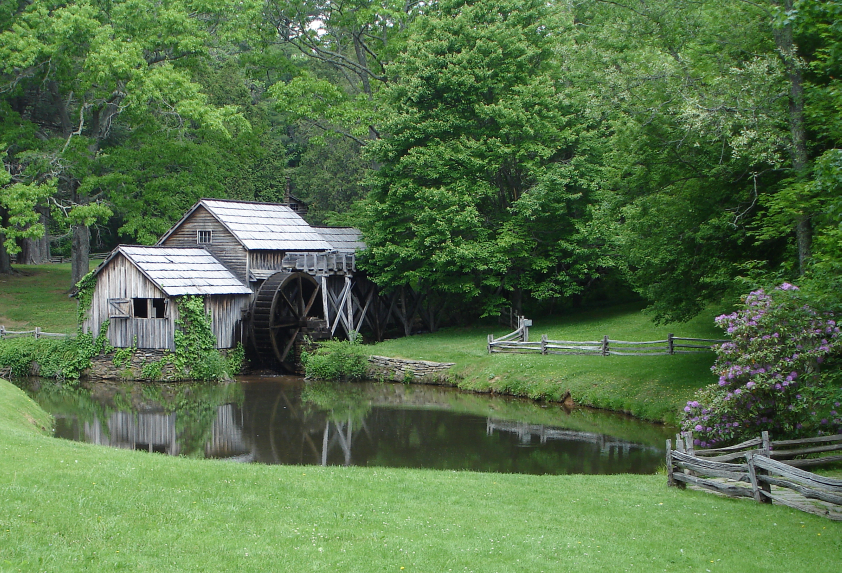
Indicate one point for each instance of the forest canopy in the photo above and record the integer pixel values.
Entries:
(493, 152)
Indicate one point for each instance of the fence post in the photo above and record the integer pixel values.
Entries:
(37, 333)
(525, 324)
(490, 340)
(605, 345)
(688, 443)
(670, 347)
(543, 344)
(670, 478)
(2, 331)
(756, 485)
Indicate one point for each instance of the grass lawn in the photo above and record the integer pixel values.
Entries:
(651, 387)
(67, 506)
(38, 296)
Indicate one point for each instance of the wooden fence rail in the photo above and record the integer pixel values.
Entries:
(764, 470)
(37, 333)
(518, 342)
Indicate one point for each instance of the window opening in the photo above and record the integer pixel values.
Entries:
(141, 307)
(204, 237)
(159, 308)
(149, 307)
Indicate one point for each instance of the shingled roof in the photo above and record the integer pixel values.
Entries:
(180, 271)
(342, 239)
(259, 226)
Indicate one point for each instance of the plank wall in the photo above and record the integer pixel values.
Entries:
(120, 279)
(224, 245)
(266, 260)
(226, 314)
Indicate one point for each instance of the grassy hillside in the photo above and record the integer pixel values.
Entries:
(651, 387)
(68, 506)
(37, 295)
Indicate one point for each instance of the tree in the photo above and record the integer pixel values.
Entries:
(481, 185)
(85, 73)
(698, 108)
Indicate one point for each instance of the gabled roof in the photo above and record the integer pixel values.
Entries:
(181, 271)
(261, 226)
(342, 239)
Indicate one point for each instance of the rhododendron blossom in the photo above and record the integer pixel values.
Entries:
(776, 373)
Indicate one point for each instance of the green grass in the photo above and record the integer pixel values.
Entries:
(67, 506)
(37, 296)
(650, 387)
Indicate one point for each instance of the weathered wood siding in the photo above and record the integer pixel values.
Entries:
(122, 280)
(224, 246)
(226, 314)
(266, 260)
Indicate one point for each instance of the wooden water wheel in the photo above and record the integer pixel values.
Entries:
(286, 309)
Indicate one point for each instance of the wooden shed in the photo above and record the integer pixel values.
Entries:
(136, 288)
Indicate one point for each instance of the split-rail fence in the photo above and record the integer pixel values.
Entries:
(37, 333)
(518, 342)
(767, 471)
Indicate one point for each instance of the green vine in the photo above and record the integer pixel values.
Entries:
(123, 356)
(195, 356)
(85, 295)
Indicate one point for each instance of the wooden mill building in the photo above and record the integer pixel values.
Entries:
(269, 279)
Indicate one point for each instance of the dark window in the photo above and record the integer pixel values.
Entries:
(204, 237)
(159, 308)
(141, 307)
(149, 307)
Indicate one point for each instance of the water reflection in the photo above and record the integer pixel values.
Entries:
(281, 420)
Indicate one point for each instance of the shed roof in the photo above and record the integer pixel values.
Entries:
(182, 271)
(260, 226)
(343, 239)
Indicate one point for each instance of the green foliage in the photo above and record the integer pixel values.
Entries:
(123, 356)
(336, 360)
(153, 370)
(62, 359)
(483, 183)
(195, 355)
(236, 359)
(19, 201)
(84, 294)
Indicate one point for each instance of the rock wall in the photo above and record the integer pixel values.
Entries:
(418, 371)
(132, 368)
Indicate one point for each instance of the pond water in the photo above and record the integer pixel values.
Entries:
(283, 420)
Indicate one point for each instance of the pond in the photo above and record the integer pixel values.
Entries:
(284, 420)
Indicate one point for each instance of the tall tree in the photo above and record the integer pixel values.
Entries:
(481, 185)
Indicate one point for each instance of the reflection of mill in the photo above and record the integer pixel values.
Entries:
(525, 432)
(294, 435)
(157, 432)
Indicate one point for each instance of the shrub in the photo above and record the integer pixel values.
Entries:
(780, 372)
(336, 360)
(62, 359)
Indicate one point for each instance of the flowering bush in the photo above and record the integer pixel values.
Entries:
(780, 372)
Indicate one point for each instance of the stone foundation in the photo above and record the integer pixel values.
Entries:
(416, 371)
(103, 367)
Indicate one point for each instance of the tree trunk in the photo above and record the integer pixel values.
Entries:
(80, 253)
(5, 259)
(786, 46)
(36, 251)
